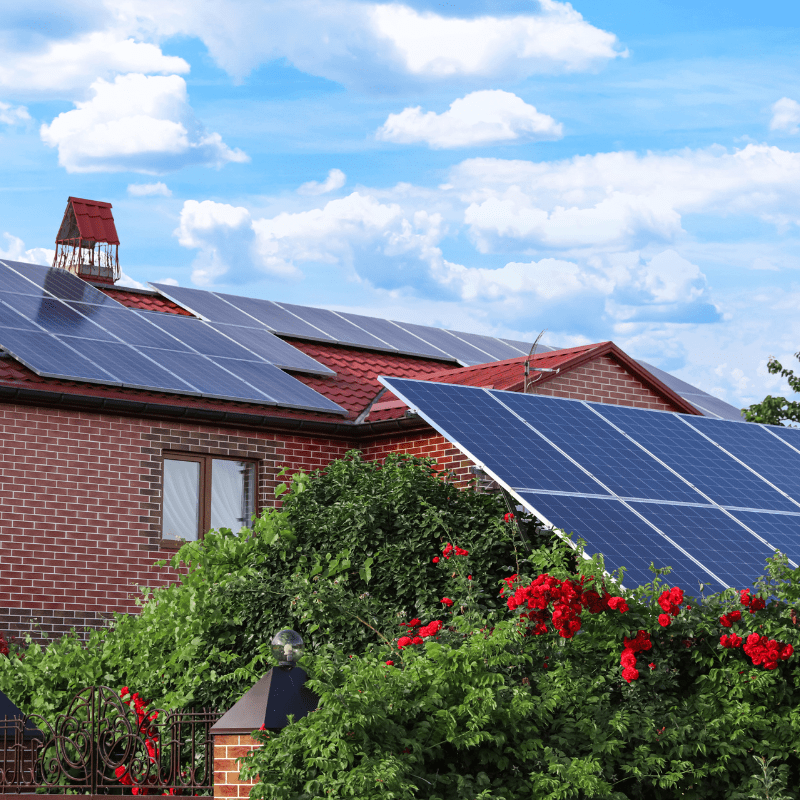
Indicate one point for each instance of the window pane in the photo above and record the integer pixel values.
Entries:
(232, 494)
(181, 499)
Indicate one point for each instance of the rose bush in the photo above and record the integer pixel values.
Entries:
(575, 688)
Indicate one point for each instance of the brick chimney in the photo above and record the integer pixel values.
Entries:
(87, 243)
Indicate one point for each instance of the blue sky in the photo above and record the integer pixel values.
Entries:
(603, 170)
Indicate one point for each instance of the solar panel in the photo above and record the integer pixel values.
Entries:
(495, 437)
(276, 318)
(731, 543)
(623, 467)
(109, 343)
(339, 329)
(460, 350)
(780, 530)
(59, 283)
(711, 536)
(753, 445)
(128, 365)
(269, 347)
(282, 388)
(48, 356)
(611, 528)
(496, 348)
(204, 304)
(390, 332)
(789, 435)
(718, 476)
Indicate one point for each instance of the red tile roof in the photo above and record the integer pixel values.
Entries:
(356, 383)
(144, 301)
(95, 220)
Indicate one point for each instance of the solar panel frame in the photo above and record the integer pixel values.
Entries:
(10, 318)
(201, 337)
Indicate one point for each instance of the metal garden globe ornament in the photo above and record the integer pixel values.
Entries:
(287, 647)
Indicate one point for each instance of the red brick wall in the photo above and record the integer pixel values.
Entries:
(427, 444)
(603, 381)
(80, 519)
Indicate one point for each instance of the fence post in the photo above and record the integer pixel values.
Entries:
(228, 749)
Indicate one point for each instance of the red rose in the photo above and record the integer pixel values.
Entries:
(630, 674)
(447, 601)
(508, 516)
(390, 663)
(664, 620)
(414, 623)
(403, 641)
(735, 615)
(618, 604)
(416, 640)
(651, 665)
(436, 559)
(724, 621)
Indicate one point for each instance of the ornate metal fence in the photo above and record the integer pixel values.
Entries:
(100, 746)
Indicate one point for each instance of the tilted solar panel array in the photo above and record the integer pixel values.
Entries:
(320, 324)
(60, 326)
(710, 498)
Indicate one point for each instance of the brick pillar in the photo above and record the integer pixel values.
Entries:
(228, 750)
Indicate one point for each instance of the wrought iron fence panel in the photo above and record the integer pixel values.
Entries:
(101, 746)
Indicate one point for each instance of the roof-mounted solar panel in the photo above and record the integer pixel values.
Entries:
(56, 282)
(276, 318)
(205, 305)
(463, 352)
(496, 348)
(57, 330)
(338, 328)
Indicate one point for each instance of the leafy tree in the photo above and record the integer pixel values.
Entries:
(776, 410)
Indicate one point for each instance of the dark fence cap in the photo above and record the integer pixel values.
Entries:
(280, 693)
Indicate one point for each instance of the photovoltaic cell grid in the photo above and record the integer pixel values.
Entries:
(319, 324)
(706, 497)
(50, 321)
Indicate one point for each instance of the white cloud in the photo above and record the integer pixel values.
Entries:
(481, 117)
(66, 67)
(361, 42)
(557, 39)
(335, 180)
(785, 116)
(614, 201)
(13, 115)
(16, 251)
(222, 233)
(138, 123)
(131, 283)
(149, 190)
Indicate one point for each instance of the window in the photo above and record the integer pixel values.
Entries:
(202, 492)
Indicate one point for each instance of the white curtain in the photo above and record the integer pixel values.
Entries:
(181, 499)
(232, 494)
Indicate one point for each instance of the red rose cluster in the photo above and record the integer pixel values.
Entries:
(628, 658)
(753, 603)
(727, 620)
(730, 641)
(509, 582)
(450, 550)
(670, 602)
(568, 599)
(418, 636)
(151, 741)
(4, 651)
(508, 516)
(766, 651)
